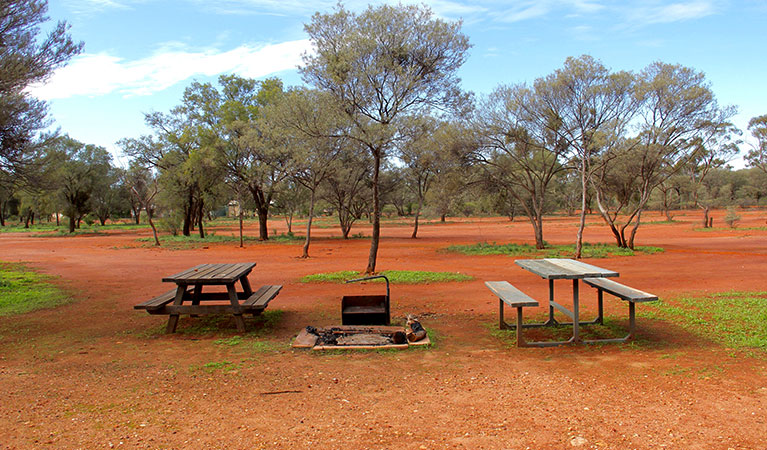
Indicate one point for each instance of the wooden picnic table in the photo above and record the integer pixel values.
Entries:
(189, 288)
(566, 269)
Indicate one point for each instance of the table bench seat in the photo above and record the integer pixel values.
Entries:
(619, 290)
(158, 302)
(515, 298)
(623, 292)
(259, 299)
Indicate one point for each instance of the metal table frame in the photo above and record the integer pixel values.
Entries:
(566, 269)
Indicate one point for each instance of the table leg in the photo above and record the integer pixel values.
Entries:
(246, 286)
(551, 320)
(236, 307)
(196, 297)
(173, 319)
(576, 316)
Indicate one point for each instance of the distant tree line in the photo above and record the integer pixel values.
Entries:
(382, 125)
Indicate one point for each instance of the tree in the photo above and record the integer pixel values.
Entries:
(429, 149)
(380, 65)
(304, 115)
(757, 156)
(76, 170)
(347, 188)
(26, 60)
(676, 109)
(522, 146)
(714, 148)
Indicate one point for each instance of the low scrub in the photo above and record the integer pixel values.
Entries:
(554, 251)
(394, 276)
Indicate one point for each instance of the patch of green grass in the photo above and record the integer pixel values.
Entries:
(195, 241)
(32, 228)
(598, 250)
(394, 276)
(735, 319)
(22, 290)
(730, 229)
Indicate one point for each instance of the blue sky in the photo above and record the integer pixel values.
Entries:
(140, 54)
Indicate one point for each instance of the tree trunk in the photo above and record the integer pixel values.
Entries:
(289, 221)
(634, 231)
(103, 221)
(71, 223)
(442, 217)
(582, 224)
(2, 214)
(241, 239)
(154, 230)
(32, 217)
(371, 268)
(200, 216)
(137, 214)
(186, 230)
(26, 220)
(57, 220)
(305, 253)
(705, 217)
(540, 244)
(263, 214)
(417, 215)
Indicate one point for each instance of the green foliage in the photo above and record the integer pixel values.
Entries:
(598, 250)
(22, 290)
(394, 276)
(732, 218)
(735, 319)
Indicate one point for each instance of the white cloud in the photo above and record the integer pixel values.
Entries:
(674, 12)
(102, 73)
(526, 11)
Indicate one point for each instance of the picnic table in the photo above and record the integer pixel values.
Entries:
(567, 269)
(189, 288)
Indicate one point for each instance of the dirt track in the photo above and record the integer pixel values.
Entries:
(97, 374)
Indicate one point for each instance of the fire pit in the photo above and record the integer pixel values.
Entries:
(354, 337)
(366, 309)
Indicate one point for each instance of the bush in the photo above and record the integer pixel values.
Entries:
(731, 219)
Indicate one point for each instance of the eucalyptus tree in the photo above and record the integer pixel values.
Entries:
(522, 148)
(716, 145)
(186, 162)
(378, 66)
(25, 59)
(76, 169)
(246, 144)
(757, 156)
(586, 105)
(347, 188)
(311, 125)
(676, 110)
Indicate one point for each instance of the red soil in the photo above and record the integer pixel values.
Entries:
(97, 374)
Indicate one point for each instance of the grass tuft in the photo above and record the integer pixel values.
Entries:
(735, 319)
(22, 290)
(598, 250)
(394, 276)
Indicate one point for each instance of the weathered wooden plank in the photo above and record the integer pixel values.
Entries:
(262, 296)
(510, 294)
(183, 273)
(581, 269)
(204, 309)
(157, 302)
(540, 267)
(620, 290)
(204, 273)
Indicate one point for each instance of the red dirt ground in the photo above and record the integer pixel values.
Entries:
(97, 374)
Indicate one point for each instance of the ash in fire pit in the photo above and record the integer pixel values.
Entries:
(360, 337)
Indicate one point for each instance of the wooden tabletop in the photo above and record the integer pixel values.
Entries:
(212, 274)
(568, 269)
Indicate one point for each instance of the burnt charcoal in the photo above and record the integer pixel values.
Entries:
(399, 337)
(311, 330)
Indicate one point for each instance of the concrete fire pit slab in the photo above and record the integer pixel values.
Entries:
(357, 337)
